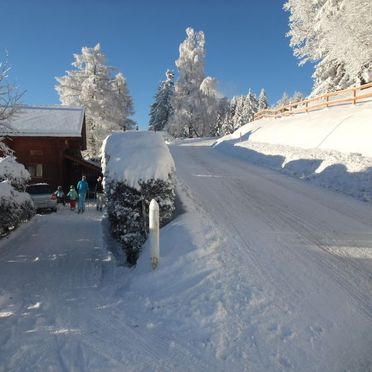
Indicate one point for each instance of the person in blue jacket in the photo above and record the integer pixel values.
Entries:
(82, 189)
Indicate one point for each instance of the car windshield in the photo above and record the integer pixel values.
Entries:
(38, 189)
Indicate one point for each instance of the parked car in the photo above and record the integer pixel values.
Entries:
(42, 196)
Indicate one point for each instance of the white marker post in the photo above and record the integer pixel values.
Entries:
(154, 233)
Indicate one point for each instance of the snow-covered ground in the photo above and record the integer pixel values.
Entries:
(261, 272)
(330, 147)
(258, 272)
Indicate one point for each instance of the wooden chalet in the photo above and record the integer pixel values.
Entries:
(48, 141)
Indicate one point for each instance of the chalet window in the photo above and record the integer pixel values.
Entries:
(36, 152)
(36, 170)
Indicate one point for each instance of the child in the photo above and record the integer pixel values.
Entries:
(60, 195)
(99, 194)
(72, 195)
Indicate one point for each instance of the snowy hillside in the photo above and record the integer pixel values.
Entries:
(330, 147)
(343, 128)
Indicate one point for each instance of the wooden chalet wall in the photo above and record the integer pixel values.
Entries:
(50, 153)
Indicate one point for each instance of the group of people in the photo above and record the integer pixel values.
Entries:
(79, 195)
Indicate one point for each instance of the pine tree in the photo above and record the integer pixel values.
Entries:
(221, 117)
(161, 110)
(284, 100)
(228, 124)
(102, 93)
(262, 101)
(250, 107)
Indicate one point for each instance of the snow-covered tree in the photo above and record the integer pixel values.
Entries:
(284, 100)
(242, 111)
(297, 97)
(222, 117)
(250, 107)
(262, 100)
(15, 205)
(161, 110)
(337, 35)
(238, 118)
(195, 96)
(101, 90)
(228, 124)
(9, 102)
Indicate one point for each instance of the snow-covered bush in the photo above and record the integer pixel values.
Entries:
(13, 171)
(137, 167)
(15, 205)
(125, 213)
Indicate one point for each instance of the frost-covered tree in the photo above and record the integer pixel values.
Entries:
(262, 100)
(238, 118)
(250, 107)
(284, 100)
(337, 35)
(101, 91)
(9, 102)
(297, 97)
(242, 111)
(195, 96)
(222, 117)
(228, 124)
(120, 104)
(161, 110)
(15, 205)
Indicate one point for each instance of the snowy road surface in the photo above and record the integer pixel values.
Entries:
(262, 273)
(301, 255)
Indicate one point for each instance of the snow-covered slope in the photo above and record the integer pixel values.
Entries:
(330, 147)
(342, 128)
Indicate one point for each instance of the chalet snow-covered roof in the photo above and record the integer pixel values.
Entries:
(46, 121)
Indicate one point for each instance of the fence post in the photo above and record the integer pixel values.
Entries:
(354, 96)
(154, 233)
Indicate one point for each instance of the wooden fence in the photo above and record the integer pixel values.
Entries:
(344, 96)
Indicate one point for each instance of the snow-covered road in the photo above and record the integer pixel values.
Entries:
(262, 273)
(49, 273)
(304, 252)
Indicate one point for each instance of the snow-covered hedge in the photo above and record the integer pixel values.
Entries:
(137, 167)
(16, 206)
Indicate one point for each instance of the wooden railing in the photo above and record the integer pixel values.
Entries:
(329, 99)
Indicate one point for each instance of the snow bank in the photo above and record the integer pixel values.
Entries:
(330, 148)
(136, 156)
(342, 128)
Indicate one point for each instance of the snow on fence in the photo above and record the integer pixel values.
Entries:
(329, 99)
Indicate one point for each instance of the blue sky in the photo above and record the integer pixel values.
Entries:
(246, 45)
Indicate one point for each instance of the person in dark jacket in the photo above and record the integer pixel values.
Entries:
(60, 195)
(99, 194)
